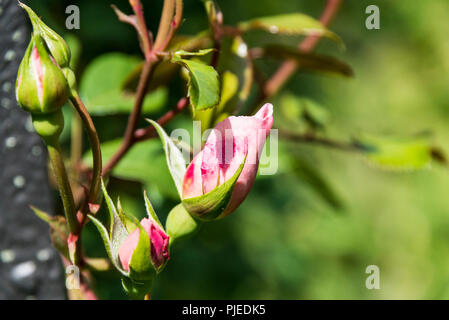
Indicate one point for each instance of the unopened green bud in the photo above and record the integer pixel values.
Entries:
(41, 86)
(55, 43)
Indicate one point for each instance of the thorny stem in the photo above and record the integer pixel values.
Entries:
(128, 139)
(150, 131)
(167, 30)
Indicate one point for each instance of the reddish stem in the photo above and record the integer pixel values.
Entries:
(149, 132)
(128, 139)
(142, 27)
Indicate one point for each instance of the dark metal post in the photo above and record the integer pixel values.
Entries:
(29, 266)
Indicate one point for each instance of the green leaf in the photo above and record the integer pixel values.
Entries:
(183, 53)
(136, 289)
(394, 153)
(200, 41)
(293, 23)
(180, 224)
(175, 160)
(204, 86)
(301, 114)
(212, 205)
(307, 173)
(237, 73)
(145, 162)
(101, 87)
(309, 61)
(58, 230)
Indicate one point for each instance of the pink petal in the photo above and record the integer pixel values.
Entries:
(223, 153)
(38, 73)
(159, 244)
(126, 250)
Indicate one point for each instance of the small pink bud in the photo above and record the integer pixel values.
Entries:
(159, 244)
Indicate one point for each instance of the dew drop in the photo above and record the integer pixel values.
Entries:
(7, 256)
(19, 182)
(10, 55)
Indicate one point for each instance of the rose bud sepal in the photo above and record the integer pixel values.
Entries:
(180, 224)
(55, 43)
(212, 205)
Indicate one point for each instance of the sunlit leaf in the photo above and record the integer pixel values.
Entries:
(197, 42)
(293, 23)
(237, 74)
(183, 53)
(397, 153)
(204, 86)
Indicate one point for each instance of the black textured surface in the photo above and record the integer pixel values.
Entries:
(29, 266)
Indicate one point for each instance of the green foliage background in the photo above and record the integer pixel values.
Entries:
(286, 241)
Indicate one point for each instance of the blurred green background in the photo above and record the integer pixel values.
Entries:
(286, 241)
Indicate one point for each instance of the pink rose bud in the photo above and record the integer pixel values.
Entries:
(159, 244)
(224, 152)
(41, 86)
